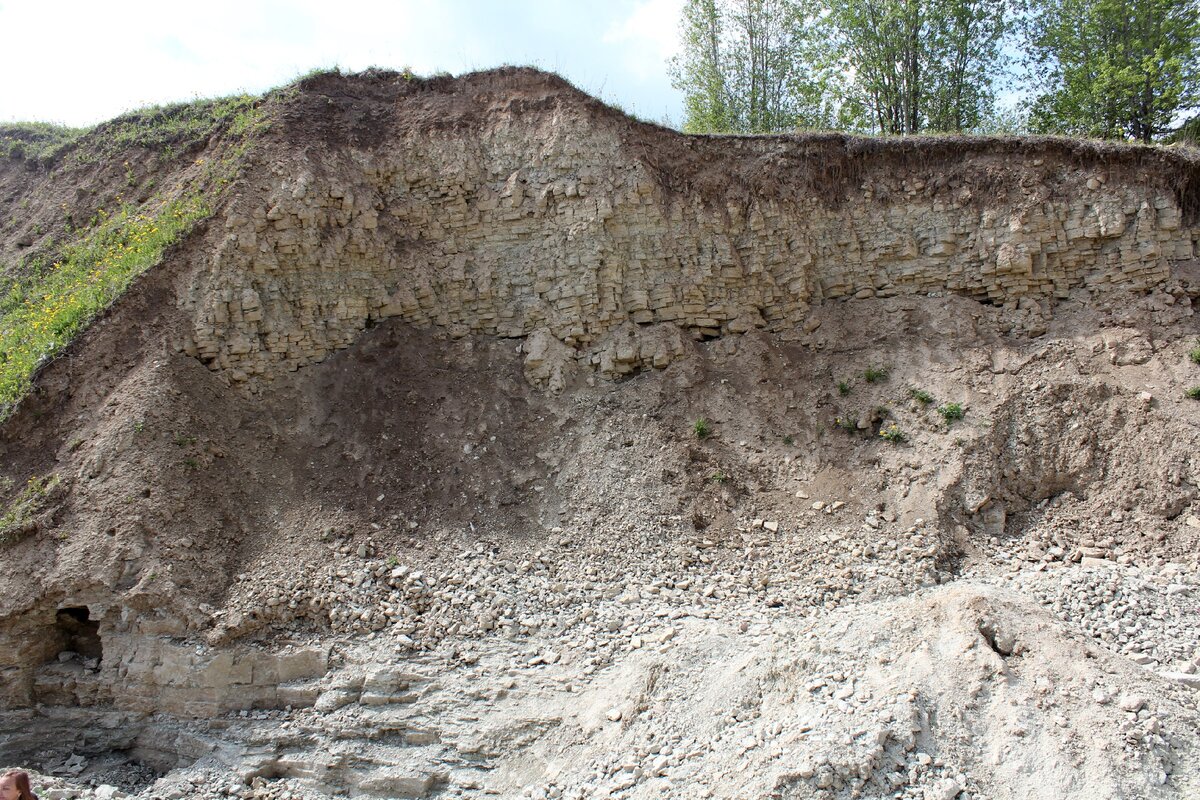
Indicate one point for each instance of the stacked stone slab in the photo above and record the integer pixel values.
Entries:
(143, 671)
(553, 222)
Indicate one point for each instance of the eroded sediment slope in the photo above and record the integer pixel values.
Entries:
(387, 480)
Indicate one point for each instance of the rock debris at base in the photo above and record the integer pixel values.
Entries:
(703, 685)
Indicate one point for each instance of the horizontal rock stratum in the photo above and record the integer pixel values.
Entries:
(509, 203)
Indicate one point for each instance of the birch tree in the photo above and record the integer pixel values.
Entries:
(751, 66)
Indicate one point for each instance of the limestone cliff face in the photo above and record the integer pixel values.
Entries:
(529, 208)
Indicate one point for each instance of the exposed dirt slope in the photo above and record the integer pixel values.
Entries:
(408, 568)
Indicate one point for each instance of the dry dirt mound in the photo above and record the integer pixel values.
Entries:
(381, 485)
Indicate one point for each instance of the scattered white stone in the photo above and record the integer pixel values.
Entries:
(946, 789)
(1131, 702)
(1190, 680)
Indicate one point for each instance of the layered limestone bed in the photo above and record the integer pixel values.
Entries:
(568, 220)
(486, 442)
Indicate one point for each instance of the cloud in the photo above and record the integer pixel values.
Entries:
(647, 37)
(106, 58)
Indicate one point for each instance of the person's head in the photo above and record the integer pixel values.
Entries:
(14, 785)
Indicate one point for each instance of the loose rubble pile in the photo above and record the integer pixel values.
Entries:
(699, 679)
(359, 590)
(766, 625)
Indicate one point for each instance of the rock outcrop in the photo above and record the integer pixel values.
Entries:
(509, 217)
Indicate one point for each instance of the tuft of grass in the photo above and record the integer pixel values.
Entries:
(843, 388)
(789, 440)
(951, 412)
(718, 477)
(41, 313)
(875, 374)
(175, 128)
(846, 423)
(1194, 354)
(892, 433)
(1193, 393)
(334, 69)
(921, 396)
(702, 428)
(36, 140)
(22, 508)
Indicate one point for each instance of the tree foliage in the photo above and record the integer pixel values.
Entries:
(1113, 68)
(1106, 68)
(750, 66)
(896, 66)
(1187, 133)
(920, 65)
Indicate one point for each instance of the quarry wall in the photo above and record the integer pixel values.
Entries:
(553, 224)
(600, 243)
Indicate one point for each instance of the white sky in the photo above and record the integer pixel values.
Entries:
(80, 62)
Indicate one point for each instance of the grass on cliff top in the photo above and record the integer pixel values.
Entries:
(170, 129)
(35, 140)
(41, 313)
(179, 125)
